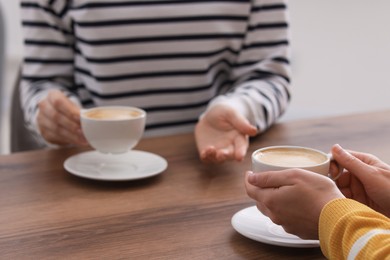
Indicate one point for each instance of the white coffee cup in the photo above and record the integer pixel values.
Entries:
(275, 158)
(113, 129)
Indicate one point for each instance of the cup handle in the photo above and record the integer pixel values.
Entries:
(341, 169)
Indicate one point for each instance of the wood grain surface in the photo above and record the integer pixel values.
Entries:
(183, 213)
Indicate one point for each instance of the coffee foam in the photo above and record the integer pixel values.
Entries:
(290, 157)
(112, 114)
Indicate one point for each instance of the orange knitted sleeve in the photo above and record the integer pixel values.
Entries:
(351, 230)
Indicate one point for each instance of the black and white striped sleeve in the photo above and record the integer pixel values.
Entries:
(261, 74)
(48, 54)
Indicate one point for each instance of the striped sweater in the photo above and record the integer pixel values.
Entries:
(173, 58)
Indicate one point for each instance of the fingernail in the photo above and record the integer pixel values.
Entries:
(341, 149)
(251, 176)
(342, 152)
(338, 148)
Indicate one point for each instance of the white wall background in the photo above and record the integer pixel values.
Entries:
(13, 42)
(340, 57)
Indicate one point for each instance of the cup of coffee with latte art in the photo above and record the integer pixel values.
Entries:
(113, 129)
(275, 158)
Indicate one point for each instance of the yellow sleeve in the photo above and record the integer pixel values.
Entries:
(351, 230)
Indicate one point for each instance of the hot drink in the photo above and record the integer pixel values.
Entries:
(114, 129)
(276, 158)
(290, 157)
(112, 114)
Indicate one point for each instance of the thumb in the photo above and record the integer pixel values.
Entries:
(63, 104)
(355, 166)
(272, 179)
(242, 124)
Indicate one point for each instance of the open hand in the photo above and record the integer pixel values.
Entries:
(222, 134)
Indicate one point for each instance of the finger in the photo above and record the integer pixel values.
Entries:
(240, 146)
(63, 104)
(348, 192)
(351, 163)
(264, 210)
(53, 129)
(364, 157)
(261, 196)
(54, 133)
(225, 154)
(213, 155)
(344, 181)
(50, 113)
(334, 168)
(241, 124)
(54, 138)
(273, 179)
(252, 190)
(370, 159)
(208, 155)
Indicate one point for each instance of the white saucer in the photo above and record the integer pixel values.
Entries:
(132, 165)
(251, 223)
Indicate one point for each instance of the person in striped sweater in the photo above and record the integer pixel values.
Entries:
(349, 217)
(219, 68)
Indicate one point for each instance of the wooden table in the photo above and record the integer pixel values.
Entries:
(183, 213)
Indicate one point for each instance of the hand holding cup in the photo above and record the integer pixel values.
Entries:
(287, 183)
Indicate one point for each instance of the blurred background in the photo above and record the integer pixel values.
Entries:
(340, 58)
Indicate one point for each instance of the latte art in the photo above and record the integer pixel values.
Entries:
(290, 157)
(112, 114)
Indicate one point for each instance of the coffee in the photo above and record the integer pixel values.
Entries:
(290, 157)
(277, 158)
(112, 114)
(113, 129)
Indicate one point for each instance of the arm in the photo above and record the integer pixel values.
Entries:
(348, 228)
(260, 87)
(48, 64)
(261, 74)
